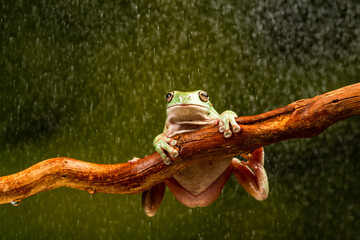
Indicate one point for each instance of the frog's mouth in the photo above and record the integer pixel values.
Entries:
(188, 105)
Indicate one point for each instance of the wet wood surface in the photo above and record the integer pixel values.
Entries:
(302, 119)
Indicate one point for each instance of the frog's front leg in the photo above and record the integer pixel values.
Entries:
(162, 143)
(226, 119)
(252, 175)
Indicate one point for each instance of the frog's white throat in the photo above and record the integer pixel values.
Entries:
(187, 118)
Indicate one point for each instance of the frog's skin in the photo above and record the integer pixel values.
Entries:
(201, 183)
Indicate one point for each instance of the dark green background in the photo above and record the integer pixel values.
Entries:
(87, 79)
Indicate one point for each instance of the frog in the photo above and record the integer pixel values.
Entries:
(200, 184)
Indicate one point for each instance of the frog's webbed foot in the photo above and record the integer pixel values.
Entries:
(227, 118)
(251, 174)
(162, 144)
(151, 199)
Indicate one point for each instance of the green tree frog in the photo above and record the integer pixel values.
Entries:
(200, 184)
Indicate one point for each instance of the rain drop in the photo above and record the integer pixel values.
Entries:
(90, 191)
(15, 203)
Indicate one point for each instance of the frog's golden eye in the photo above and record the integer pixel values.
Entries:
(169, 97)
(203, 96)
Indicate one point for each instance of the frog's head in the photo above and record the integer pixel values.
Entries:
(197, 98)
(188, 104)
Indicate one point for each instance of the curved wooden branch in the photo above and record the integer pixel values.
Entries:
(301, 119)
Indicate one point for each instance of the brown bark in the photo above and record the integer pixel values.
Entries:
(301, 119)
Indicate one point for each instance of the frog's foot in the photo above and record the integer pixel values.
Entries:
(252, 175)
(227, 118)
(152, 198)
(162, 144)
(203, 199)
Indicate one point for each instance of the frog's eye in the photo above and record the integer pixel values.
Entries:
(169, 97)
(203, 96)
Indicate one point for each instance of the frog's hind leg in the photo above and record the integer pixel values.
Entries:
(251, 174)
(152, 198)
(203, 199)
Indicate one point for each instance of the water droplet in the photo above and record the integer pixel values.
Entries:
(15, 203)
(90, 190)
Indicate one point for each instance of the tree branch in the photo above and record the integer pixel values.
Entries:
(301, 119)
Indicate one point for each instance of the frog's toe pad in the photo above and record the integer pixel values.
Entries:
(221, 128)
(227, 134)
(236, 128)
(175, 153)
(167, 161)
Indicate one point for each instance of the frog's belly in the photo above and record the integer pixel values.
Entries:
(200, 176)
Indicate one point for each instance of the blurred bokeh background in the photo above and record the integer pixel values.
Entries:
(87, 79)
